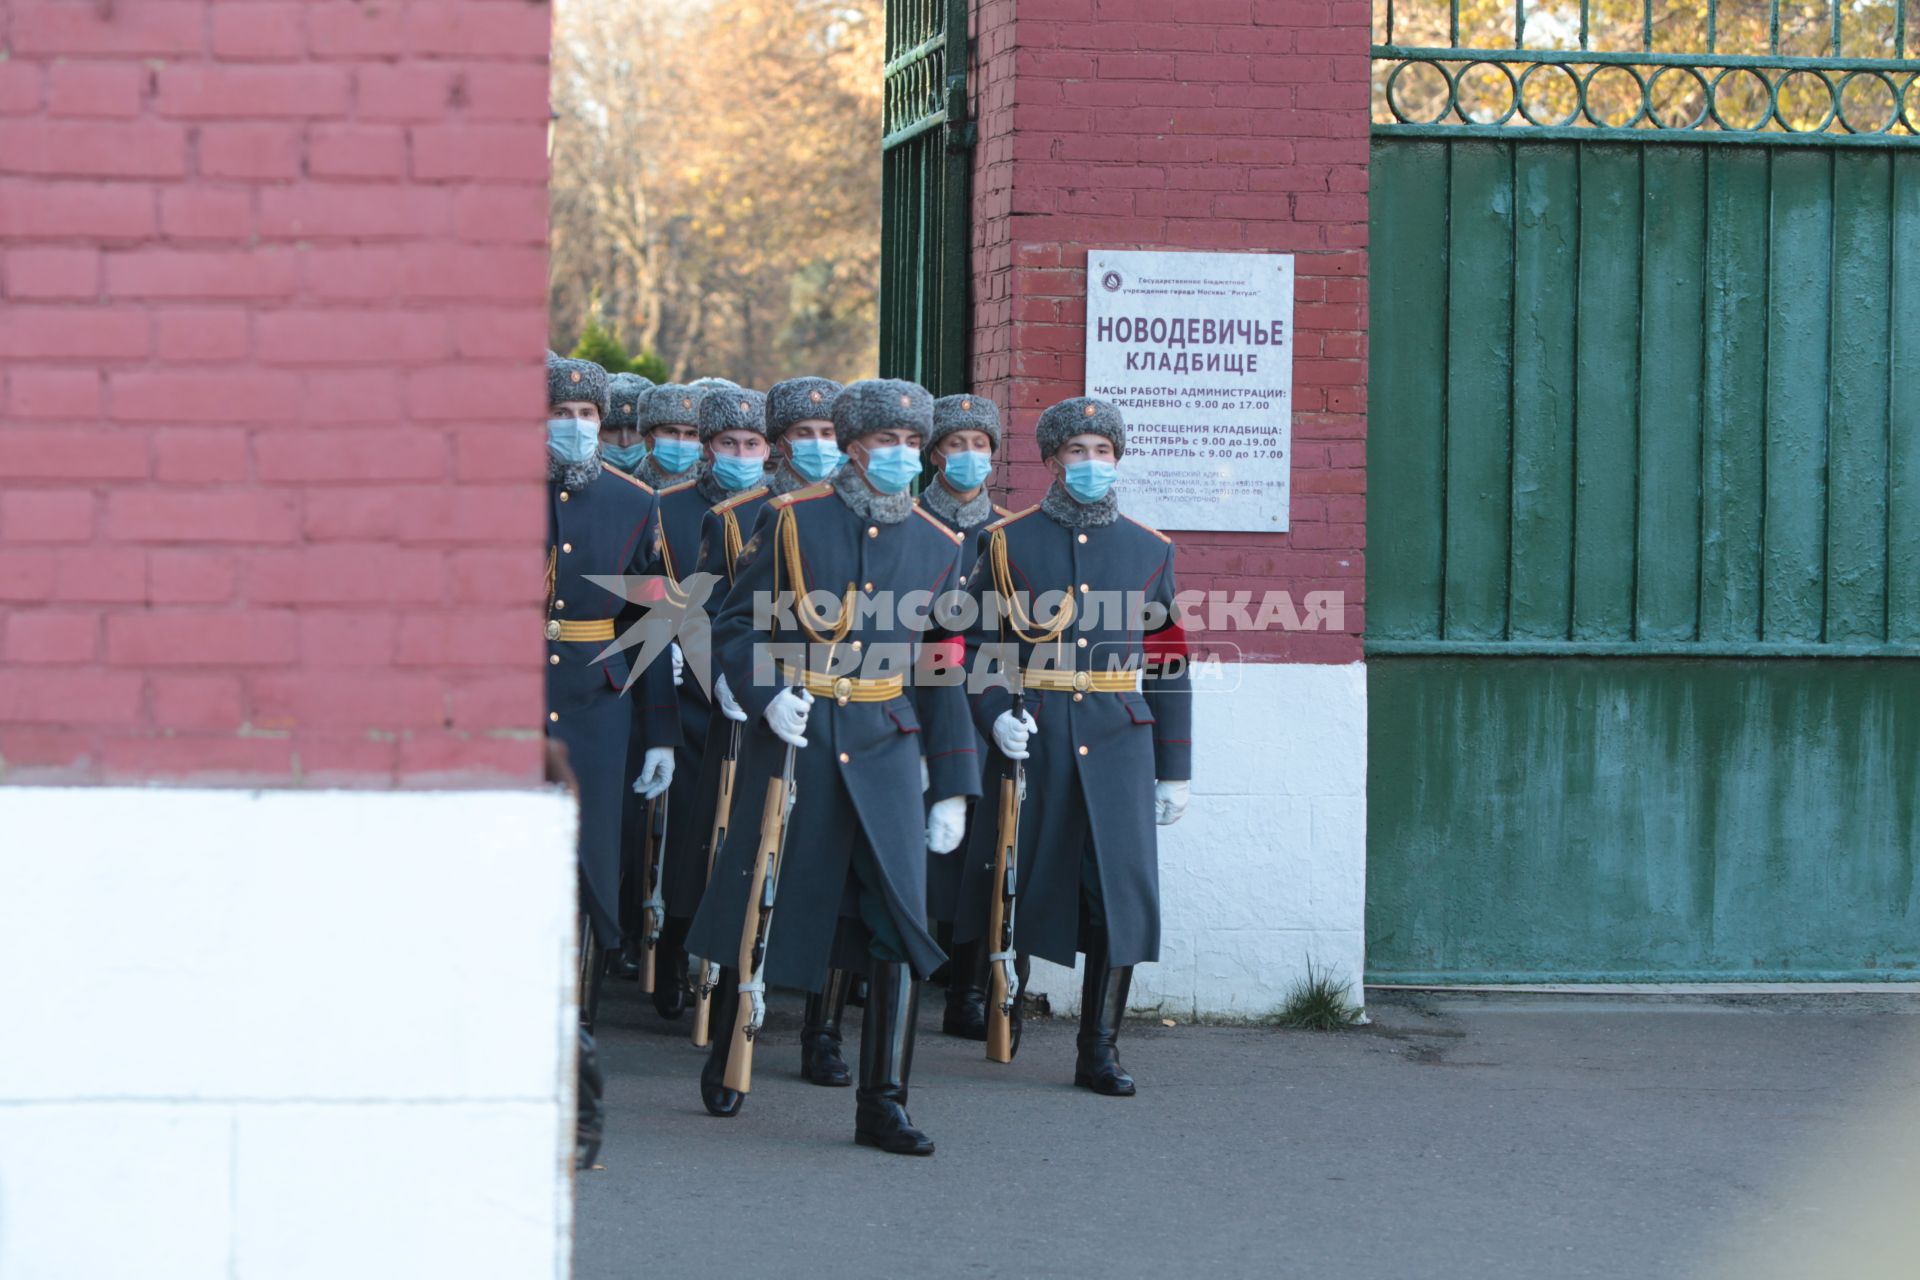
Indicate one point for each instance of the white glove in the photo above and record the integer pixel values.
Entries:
(729, 706)
(926, 778)
(946, 823)
(1169, 801)
(1011, 735)
(679, 665)
(787, 715)
(656, 772)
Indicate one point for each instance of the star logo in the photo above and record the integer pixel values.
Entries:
(671, 613)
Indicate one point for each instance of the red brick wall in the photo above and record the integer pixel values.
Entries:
(272, 302)
(1210, 125)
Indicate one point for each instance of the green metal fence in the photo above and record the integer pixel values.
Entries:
(926, 146)
(1836, 73)
(1644, 399)
(1640, 398)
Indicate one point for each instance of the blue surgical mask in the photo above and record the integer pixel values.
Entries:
(815, 459)
(624, 456)
(572, 439)
(1089, 479)
(675, 455)
(892, 467)
(737, 473)
(967, 470)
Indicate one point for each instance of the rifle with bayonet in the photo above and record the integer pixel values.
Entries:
(1003, 982)
(758, 924)
(702, 974)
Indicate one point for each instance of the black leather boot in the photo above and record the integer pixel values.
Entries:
(670, 969)
(966, 1015)
(886, 1060)
(820, 1060)
(1103, 1007)
(724, 1012)
(592, 964)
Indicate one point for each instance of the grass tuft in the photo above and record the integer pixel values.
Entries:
(1318, 1004)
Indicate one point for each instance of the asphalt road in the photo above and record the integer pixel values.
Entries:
(1477, 1137)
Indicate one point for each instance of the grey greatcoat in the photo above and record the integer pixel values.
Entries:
(858, 779)
(607, 528)
(723, 530)
(943, 870)
(1094, 756)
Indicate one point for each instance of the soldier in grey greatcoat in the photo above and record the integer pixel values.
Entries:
(600, 521)
(831, 680)
(1106, 733)
(959, 458)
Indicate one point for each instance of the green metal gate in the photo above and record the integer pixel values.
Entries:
(926, 148)
(1644, 508)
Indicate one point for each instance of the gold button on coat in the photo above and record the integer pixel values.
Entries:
(1083, 751)
(566, 546)
(844, 757)
(553, 659)
(1082, 642)
(873, 531)
(564, 495)
(559, 604)
(1083, 537)
(553, 715)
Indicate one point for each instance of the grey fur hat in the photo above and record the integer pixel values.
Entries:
(880, 404)
(671, 404)
(798, 399)
(576, 380)
(967, 412)
(627, 391)
(1082, 415)
(735, 410)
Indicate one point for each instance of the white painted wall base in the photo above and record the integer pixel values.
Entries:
(285, 1034)
(1267, 872)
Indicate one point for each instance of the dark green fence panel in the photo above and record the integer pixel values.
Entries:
(1903, 472)
(1546, 255)
(925, 319)
(1633, 820)
(1479, 382)
(1607, 426)
(1407, 398)
(1672, 406)
(1733, 476)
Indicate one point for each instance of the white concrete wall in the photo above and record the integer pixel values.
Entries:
(1268, 869)
(285, 1034)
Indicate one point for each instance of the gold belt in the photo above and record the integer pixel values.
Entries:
(1082, 681)
(845, 689)
(600, 629)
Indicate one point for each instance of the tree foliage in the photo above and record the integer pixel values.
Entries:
(716, 182)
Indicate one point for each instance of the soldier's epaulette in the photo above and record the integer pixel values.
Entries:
(937, 523)
(681, 487)
(812, 491)
(728, 504)
(635, 481)
(1001, 511)
(1012, 516)
(1150, 529)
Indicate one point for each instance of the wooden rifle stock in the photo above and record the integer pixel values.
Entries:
(757, 923)
(1000, 1001)
(702, 1033)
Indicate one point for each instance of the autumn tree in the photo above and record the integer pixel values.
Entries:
(716, 179)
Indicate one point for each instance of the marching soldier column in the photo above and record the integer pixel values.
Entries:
(850, 779)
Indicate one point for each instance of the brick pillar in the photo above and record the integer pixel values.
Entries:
(1209, 125)
(272, 302)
